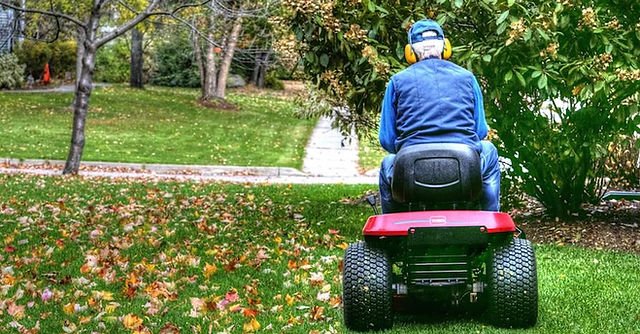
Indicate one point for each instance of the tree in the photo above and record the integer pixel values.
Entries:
(216, 63)
(91, 38)
(214, 53)
(561, 80)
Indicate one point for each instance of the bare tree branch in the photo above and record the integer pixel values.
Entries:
(129, 25)
(44, 12)
(141, 16)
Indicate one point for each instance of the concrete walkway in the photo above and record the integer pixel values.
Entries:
(330, 159)
(54, 89)
(329, 153)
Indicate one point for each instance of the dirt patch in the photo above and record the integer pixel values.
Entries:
(292, 89)
(613, 225)
(219, 104)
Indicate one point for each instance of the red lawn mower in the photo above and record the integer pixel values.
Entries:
(442, 251)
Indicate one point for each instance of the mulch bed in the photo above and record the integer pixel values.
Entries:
(613, 225)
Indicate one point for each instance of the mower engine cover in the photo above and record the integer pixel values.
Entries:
(399, 224)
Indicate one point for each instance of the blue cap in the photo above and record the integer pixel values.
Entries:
(418, 31)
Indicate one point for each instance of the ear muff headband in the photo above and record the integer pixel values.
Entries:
(411, 58)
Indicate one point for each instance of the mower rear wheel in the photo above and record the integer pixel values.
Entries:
(513, 285)
(367, 295)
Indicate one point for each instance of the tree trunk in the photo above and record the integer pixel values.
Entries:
(197, 52)
(263, 69)
(256, 69)
(79, 56)
(80, 109)
(228, 57)
(209, 88)
(137, 59)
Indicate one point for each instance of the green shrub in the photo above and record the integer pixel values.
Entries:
(113, 62)
(11, 72)
(175, 64)
(61, 56)
(623, 163)
(272, 81)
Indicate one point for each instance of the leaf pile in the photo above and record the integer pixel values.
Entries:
(110, 256)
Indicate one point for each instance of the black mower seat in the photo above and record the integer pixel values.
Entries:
(437, 173)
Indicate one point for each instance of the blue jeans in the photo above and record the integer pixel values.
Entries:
(489, 200)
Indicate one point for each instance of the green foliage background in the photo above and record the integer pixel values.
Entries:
(113, 62)
(61, 56)
(11, 72)
(560, 79)
(175, 63)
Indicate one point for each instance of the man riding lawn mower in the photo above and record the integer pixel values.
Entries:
(440, 237)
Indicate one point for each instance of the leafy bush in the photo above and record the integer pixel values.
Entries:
(273, 82)
(113, 62)
(175, 63)
(623, 164)
(11, 72)
(61, 56)
(561, 80)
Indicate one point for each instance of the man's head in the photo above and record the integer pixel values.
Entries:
(427, 39)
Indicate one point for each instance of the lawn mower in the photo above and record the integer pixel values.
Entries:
(442, 250)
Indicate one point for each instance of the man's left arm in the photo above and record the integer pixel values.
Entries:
(478, 111)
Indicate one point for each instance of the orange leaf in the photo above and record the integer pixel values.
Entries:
(69, 308)
(317, 313)
(249, 313)
(209, 270)
(131, 321)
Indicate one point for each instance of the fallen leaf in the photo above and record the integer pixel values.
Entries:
(317, 313)
(15, 310)
(251, 326)
(209, 270)
(131, 321)
(169, 328)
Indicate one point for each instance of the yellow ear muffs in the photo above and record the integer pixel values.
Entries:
(409, 55)
(447, 51)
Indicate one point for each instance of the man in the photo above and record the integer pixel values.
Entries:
(435, 101)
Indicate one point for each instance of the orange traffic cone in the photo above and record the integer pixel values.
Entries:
(46, 77)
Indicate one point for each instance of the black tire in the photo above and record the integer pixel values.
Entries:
(513, 285)
(366, 284)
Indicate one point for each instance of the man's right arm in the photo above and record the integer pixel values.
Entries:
(387, 134)
(481, 127)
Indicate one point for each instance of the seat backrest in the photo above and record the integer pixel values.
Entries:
(437, 173)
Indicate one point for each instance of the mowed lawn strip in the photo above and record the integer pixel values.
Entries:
(156, 125)
(114, 256)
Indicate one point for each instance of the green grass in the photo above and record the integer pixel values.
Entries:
(156, 125)
(266, 242)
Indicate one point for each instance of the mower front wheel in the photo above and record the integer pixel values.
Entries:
(513, 285)
(367, 295)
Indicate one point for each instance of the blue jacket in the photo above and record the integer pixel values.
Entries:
(432, 101)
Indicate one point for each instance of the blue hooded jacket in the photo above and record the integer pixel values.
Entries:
(432, 101)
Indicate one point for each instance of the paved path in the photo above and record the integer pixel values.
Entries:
(329, 153)
(54, 89)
